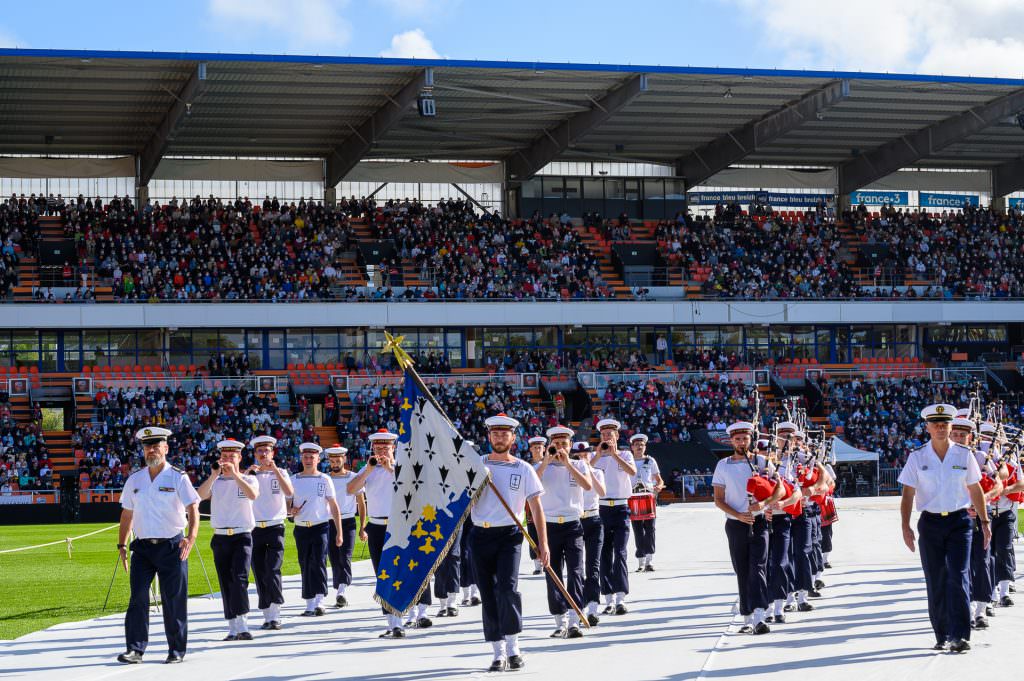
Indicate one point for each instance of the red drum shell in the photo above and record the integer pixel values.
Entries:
(642, 507)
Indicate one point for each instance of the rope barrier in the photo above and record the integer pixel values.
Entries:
(66, 541)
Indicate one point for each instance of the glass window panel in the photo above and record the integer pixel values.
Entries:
(431, 340)
(453, 339)
(553, 187)
(254, 340)
(299, 338)
(495, 337)
(325, 339)
(706, 337)
(615, 189)
(231, 340)
(547, 336)
(352, 338)
(574, 337)
(322, 355)
(150, 346)
(731, 335)
(593, 189)
(520, 338)
(682, 336)
(374, 341)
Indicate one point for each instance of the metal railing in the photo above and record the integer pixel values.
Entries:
(356, 383)
(601, 380)
(206, 383)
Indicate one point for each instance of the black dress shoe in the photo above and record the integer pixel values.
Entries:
(397, 632)
(818, 584)
(275, 625)
(1005, 602)
(959, 646)
(174, 658)
(341, 601)
(498, 665)
(266, 625)
(244, 636)
(1013, 588)
(424, 623)
(941, 645)
(789, 607)
(746, 629)
(516, 662)
(466, 604)
(537, 572)
(780, 619)
(828, 566)
(452, 612)
(648, 568)
(770, 619)
(761, 628)
(608, 609)
(558, 633)
(593, 620)
(805, 607)
(475, 600)
(620, 609)
(307, 613)
(990, 611)
(814, 593)
(130, 657)
(574, 632)
(230, 637)
(979, 622)
(319, 612)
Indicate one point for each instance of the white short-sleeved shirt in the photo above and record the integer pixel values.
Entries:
(517, 482)
(646, 469)
(732, 474)
(787, 468)
(311, 495)
(346, 501)
(618, 483)
(158, 505)
(229, 507)
(270, 503)
(380, 487)
(590, 497)
(1005, 504)
(563, 496)
(940, 486)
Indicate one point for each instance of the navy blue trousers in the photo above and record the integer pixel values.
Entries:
(945, 546)
(817, 560)
(800, 553)
(779, 570)
(614, 551)
(311, 545)
(495, 553)
(159, 557)
(341, 558)
(565, 545)
(593, 540)
(267, 557)
(1002, 546)
(232, 557)
(981, 566)
(749, 554)
(449, 573)
(467, 577)
(532, 531)
(826, 538)
(643, 537)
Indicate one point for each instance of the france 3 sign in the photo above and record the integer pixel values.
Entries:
(947, 201)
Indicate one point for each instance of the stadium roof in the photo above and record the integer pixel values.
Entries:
(341, 108)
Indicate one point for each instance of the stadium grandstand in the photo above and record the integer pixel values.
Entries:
(217, 244)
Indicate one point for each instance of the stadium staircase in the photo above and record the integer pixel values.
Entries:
(28, 279)
(602, 250)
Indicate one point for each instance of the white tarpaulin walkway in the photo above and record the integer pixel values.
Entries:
(870, 624)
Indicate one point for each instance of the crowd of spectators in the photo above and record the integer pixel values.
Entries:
(24, 460)
(973, 251)
(479, 256)
(19, 231)
(208, 249)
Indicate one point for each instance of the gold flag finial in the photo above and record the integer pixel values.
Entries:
(394, 346)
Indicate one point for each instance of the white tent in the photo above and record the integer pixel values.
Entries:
(847, 453)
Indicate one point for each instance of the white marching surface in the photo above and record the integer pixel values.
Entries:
(871, 623)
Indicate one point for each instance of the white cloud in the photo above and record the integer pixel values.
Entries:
(10, 40)
(410, 44)
(299, 24)
(953, 37)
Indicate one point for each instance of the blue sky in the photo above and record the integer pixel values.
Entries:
(955, 37)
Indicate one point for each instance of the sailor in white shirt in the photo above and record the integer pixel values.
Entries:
(646, 481)
(497, 541)
(270, 510)
(155, 503)
(565, 479)
(231, 494)
(619, 468)
(593, 534)
(537, 444)
(943, 477)
(746, 527)
(1004, 518)
(313, 506)
(340, 557)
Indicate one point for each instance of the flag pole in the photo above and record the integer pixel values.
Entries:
(394, 345)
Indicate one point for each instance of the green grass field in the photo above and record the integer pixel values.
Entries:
(42, 587)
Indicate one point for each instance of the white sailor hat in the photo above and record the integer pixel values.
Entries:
(740, 427)
(152, 434)
(581, 446)
(788, 425)
(501, 420)
(560, 431)
(639, 437)
(336, 450)
(800, 434)
(537, 439)
(263, 440)
(762, 444)
(964, 412)
(938, 412)
(608, 423)
(382, 435)
(310, 446)
(230, 443)
(988, 428)
(961, 422)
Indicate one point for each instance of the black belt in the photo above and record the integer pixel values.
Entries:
(945, 514)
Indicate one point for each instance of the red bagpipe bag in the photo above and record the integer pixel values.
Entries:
(807, 476)
(760, 487)
(1012, 480)
(796, 508)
